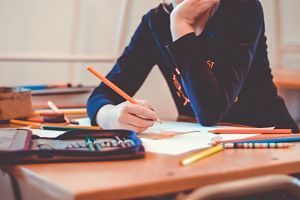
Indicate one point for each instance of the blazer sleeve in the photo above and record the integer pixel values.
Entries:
(213, 91)
(129, 72)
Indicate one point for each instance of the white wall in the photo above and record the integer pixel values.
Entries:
(283, 29)
(90, 27)
(46, 27)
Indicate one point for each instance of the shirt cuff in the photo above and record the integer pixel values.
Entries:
(94, 105)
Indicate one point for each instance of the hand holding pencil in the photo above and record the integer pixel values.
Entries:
(133, 115)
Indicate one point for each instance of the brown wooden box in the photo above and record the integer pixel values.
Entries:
(15, 103)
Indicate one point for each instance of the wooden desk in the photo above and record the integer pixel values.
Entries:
(287, 79)
(154, 175)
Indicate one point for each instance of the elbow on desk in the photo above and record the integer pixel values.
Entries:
(208, 119)
(211, 113)
(211, 109)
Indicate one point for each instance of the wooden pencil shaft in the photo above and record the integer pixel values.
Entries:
(251, 131)
(50, 127)
(81, 111)
(36, 120)
(201, 155)
(24, 123)
(112, 85)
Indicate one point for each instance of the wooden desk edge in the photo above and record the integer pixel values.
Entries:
(184, 184)
(152, 188)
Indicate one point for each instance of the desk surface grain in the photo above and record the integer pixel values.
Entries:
(156, 174)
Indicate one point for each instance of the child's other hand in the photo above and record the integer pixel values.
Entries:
(136, 117)
(189, 11)
(189, 15)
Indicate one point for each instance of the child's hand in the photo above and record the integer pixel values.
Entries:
(189, 11)
(136, 117)
(190, 15)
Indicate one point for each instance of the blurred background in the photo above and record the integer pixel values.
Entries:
(43, 41)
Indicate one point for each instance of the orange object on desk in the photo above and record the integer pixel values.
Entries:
(251, 131)
(78, 111)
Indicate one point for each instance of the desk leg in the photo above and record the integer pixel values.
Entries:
(6, 191)
(15, 188)
(27, 188)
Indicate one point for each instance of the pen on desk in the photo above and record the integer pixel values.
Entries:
(277, 140)
(253, 145)
(34, 125)
(262, 137)
(251, 131)
(47, 86)
(89, 143)
(69, 127)
(113, 86)
(201, 155)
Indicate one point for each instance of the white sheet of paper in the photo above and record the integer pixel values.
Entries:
(187, 127)
(46, 133)
(183, 143)
(84, 121)
(178, 144)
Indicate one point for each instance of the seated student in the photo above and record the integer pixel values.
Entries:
(213, 55)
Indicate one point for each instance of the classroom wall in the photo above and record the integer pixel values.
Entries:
(44, 27)
(41, 28)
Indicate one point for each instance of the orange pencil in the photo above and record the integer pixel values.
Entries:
(35, 120)
(79, 111)
(32, 125)
(251, 131)
(113, 86)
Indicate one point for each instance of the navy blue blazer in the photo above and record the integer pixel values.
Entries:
(221, 75)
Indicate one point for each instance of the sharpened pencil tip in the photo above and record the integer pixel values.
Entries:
(159, 121)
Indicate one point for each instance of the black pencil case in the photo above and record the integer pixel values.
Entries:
(21, 146)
